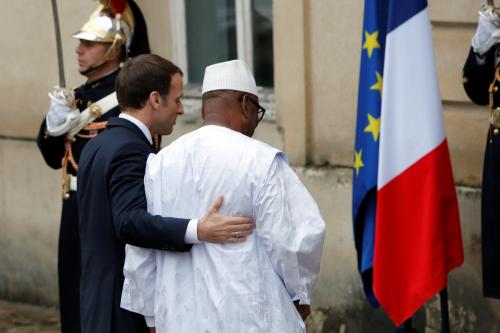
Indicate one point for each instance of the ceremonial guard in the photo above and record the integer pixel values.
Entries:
(481, 79)
(114, 32)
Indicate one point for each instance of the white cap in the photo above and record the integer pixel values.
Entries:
(229, 75)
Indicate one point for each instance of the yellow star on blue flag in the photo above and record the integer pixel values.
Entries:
(373, 126)
(378, 85)
(358, 161)
(371, 42)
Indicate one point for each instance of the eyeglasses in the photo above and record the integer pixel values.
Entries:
(260, 110)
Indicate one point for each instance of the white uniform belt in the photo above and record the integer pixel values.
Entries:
(72, 182)
(94, 111)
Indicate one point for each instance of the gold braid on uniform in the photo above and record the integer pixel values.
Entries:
(93, 129)
(494, 113)
(68, 156)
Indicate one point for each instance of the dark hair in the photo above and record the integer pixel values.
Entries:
(142, 75)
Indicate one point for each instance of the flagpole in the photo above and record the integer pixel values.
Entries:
(406, 327)
(445, 318)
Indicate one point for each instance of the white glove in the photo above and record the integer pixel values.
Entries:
(487, 32)
(62, 113)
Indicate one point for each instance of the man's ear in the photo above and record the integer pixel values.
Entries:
(245, 107)
(154, 99)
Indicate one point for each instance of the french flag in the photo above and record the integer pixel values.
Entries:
(417, 234)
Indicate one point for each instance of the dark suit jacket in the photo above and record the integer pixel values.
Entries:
(113, 212)
(477, 80)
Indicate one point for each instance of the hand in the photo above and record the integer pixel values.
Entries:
(303, 309)
(58, 113)
(487, 32)
(216, 228)
(152, 330)
(61, 114)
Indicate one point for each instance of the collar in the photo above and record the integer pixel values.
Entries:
(139, 124)
(107, 79)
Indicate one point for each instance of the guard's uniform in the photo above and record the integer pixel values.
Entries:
(120, 25)
(481, 79)
(56, 155)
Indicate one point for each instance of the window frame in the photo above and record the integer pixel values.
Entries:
(244, 40)
(244, 33)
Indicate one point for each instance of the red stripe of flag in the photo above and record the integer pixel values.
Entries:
(418, 239)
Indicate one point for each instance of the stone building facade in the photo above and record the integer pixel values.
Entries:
(316, 46)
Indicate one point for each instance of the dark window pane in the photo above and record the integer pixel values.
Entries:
(262, 20)
(211, 34)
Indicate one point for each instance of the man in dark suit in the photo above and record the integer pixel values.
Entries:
(113, 209)
(481, 79)
(99, 54)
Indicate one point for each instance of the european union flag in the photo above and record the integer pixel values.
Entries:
(367, 137)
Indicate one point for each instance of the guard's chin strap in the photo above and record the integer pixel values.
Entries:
(92, 68)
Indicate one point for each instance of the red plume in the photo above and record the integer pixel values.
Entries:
(119, 6)
(116, 6)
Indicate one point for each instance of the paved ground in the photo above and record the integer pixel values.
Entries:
(22, 318)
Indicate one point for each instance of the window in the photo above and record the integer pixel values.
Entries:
(210, 31)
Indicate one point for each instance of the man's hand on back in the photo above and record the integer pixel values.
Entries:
(216, 228)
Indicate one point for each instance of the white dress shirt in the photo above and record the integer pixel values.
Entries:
(191, 236)
(242, 287)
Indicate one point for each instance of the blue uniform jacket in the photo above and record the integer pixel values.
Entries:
(477, 79)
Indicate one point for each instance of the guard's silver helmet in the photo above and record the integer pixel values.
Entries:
(112, 24)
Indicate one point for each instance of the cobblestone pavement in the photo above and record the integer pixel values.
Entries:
(22, 318)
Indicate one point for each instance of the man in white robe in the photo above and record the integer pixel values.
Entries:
(261, 285)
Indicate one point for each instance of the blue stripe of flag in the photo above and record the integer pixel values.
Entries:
(401, 11)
